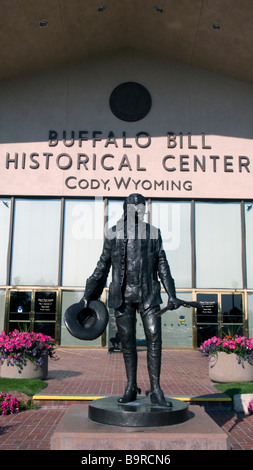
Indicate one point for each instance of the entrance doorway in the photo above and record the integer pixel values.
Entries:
(32, 310)
(221, 314)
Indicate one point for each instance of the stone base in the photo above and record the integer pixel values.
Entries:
(138, 413)
(77, 432)
(241, 402)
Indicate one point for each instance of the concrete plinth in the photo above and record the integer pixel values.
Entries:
(241, 402)
(77, 432)
(138, 413)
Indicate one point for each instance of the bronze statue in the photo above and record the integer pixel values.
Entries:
(135, 252)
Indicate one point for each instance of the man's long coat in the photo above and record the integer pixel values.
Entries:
(153, 264)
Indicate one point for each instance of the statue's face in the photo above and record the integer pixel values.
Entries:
(132, 209)
(140, 209)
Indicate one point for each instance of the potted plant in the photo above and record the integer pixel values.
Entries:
(8, 404)
(24, 354)
(230, 358)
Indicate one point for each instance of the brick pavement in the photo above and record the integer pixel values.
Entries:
(95, 372)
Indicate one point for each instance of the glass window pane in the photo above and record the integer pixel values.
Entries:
(20, 305)
(115, 212)
(45, 302)
(20, 325)
(36, 242)
(20, 302)
(218, 245)
(5, 205)
(174, 221)
(209, 311)
(207, 317)
(83, 240)
(206, 331)
(230, 330)
(231, 308)
(45, 305)
(45, 328)
(249, 244)
(177, 324)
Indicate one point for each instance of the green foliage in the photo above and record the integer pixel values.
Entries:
(28, 386)
(235, 388)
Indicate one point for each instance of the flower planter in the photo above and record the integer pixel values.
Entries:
(225, 367)
(22, 352)
(241, 403)
(29, 370)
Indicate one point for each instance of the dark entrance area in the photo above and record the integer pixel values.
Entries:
(221, 314)
(32, 310)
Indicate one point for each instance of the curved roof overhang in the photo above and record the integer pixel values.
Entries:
(186, 31)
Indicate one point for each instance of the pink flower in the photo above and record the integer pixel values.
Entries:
(8, 404)
(250, 407)
(23, 345)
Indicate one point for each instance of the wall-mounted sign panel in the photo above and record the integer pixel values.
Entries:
(86, 130)
(95, 163)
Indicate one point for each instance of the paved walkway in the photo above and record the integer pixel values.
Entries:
(94, 372)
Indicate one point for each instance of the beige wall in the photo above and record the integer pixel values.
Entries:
(210, 115)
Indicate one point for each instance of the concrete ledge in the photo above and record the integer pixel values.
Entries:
(77, 432)
(241, 402)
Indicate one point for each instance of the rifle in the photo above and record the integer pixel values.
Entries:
(183, 303)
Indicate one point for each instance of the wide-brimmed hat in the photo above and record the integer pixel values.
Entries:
(86, 323)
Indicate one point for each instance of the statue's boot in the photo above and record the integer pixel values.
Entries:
(152, 327)
(131, 389)
(156, 394)
(126, 325)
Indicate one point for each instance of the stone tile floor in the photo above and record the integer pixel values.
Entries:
(94, 372)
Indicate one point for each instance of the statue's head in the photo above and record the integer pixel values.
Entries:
(134, 199)
(134, 205)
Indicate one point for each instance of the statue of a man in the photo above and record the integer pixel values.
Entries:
(134, 250)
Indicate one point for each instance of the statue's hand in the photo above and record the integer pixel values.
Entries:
(173, 303)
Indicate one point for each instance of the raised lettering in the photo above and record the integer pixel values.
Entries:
(138, 167)
(108, 168)
(52, 138)
(11, 160)
(139, 136)
(82, 159)
(190, 146)
(164, 162)
(82, 137)
(184, 162)
(125, 163)
(228, 164)
(111, 140)
(244, 163)
(171, 140)
(204, 146)
(63, 166)
(65, 140)
(36, 163)
(95, 138)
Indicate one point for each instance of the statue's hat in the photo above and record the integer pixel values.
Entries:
(86, 323)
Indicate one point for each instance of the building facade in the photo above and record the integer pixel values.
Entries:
(68, 158)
